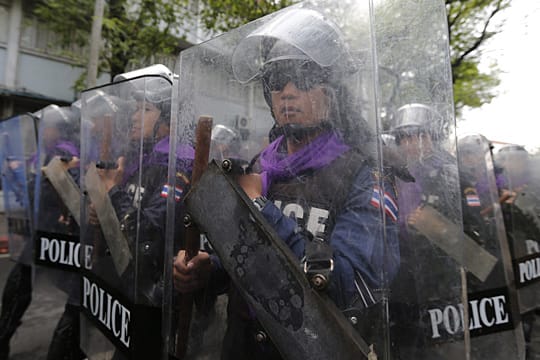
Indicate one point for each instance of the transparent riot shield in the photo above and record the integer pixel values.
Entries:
(416, 108)
(57, 195)
(495, 322)
(299, 210)
(17, 153)
(125, 154)
(520, 199)
(56, 221)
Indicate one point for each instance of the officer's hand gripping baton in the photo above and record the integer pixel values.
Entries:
(202, 152)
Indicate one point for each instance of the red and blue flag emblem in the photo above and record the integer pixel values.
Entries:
(178, 191)
(471, 196)
(390, 205)
(473, 200)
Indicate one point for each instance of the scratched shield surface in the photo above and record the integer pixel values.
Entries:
(124, 164)
(382, 64)
(18, 148)
(495, 322)
(518, 185)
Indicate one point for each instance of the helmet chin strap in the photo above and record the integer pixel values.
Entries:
(299, 132)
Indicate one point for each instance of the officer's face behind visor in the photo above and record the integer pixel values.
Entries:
(144, 119)
(298, 92)
(408, 136)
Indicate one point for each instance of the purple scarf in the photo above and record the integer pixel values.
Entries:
(67, 147)
(62, 147)
(278, 165)
(160, 156)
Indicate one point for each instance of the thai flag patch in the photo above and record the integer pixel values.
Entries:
(471, 196)
(178, 191)
(390, 205)
(473, 200)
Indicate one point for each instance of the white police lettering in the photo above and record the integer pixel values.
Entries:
(88, 256)
(107, 310)
(316, 217)
(58, 251)
(529, 270)
(484, 313)
(295, 210)
(136, 192)
(316, 223)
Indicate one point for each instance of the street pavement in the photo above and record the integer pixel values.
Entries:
(33, 336)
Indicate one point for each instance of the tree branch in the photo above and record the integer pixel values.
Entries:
(479, 40)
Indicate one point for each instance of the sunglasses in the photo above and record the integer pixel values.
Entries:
(305, 76)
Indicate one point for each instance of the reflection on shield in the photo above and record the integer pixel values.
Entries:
(17, 154)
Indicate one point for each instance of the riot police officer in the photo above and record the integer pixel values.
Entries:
(483, 223)
(17, 153)
(128, 152)
(314, 164)
(58, 137)
(519, 196)
(419, 133)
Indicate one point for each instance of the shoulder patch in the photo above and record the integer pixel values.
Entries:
(471, 197)
(390, 205)
(178, 191)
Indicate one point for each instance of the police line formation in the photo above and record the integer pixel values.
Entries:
(294, 171)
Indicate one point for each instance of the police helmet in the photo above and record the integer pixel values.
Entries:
(416, 118)
(157, 69)
(295, 34)
(299, 45)
(472, 143)
(152, 84)
(472, 149)
(303, 46)
(224, 135)
(101, 104)
(511, 153)
(156, 91)
(62, 118)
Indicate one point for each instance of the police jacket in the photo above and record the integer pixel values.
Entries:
(426, 271)
(337, 203)
(141, 208)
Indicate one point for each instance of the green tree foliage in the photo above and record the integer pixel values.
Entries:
(471, 24)
(132, 30)
(224, 15)
(138, 30)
